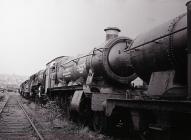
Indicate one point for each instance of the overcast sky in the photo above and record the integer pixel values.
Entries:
(32, 32)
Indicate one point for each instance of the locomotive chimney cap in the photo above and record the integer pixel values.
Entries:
(112, 28)
(111, 32)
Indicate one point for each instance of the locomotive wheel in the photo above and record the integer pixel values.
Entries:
(37, 101)
(65, 105)
(99, 122)
(39, 91)
(58, 100)
(67, 112)
(74, 116)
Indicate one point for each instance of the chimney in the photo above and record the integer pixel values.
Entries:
(111, 32)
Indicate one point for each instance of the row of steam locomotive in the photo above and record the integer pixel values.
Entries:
(97, 87)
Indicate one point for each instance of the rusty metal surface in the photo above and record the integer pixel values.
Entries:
(66, 88)
(76, 100)
(25, 86)
(189, 47)
(75, 70)
(161, 79)
(164, 53)
(155, 105)
(54, 72)
(114, 62)
(99, 100)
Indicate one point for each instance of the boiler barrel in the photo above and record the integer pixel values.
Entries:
(162, 48)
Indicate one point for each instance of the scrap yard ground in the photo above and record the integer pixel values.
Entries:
(48, 119)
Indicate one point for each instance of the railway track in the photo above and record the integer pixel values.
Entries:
(15, 124)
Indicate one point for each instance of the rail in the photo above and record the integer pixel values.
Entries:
(4, 105)
(31, 122)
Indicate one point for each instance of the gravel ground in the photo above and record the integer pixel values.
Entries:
(3, 98)
(53, 124)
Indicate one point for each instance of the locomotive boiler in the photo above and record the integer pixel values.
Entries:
(83, 69)
(34, 86)
(37, 84)
(159, 58)
(24, 89)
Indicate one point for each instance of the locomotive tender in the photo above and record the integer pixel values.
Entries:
(97, 88)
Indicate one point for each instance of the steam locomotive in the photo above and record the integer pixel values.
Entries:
(97, 87)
